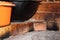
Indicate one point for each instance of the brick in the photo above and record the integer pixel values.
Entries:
(43, 16)
(58, 22)
(4, 30)
(21, 28)
(39, 16)
(49, 7)
(40, 26)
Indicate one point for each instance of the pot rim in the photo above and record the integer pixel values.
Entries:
(3, 3)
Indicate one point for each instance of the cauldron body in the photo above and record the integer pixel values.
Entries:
(23, 10)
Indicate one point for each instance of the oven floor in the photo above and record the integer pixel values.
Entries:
(37, 35)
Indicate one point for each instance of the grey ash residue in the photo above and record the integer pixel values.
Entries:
(39, 35)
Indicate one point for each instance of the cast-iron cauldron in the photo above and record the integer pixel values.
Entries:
(23, 10)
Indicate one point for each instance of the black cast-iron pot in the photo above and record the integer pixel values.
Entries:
(24, 10)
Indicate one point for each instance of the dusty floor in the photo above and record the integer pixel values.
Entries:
(38, 35)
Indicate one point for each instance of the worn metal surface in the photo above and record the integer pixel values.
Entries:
(40, 35)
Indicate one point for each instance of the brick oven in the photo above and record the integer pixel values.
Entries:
(47, 17)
